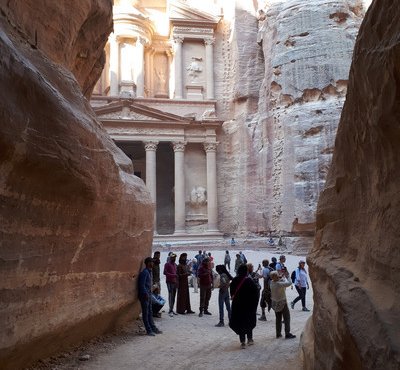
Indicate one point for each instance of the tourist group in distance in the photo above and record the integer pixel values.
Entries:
(239, 295)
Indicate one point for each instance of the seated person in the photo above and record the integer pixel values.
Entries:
(157, 301)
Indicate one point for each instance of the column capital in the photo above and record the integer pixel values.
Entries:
(178, 146)
(150, 145)
(178, 39)
(210, 147)
(209, 40)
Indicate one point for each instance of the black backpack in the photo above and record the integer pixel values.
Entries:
(293, 276)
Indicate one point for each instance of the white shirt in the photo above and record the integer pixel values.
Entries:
(301, 278)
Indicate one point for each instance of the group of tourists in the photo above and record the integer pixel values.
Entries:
(239, 295)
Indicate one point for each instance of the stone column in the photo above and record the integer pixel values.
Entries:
(210, 67)
(151, 175)
(114, 65)
(212, 206)
(139, 65)
(180, 211)
(178, 67)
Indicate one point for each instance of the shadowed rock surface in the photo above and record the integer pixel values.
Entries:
(74, 221)
(355, 262)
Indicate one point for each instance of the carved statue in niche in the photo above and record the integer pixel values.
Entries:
(161, 73)
(194, 69)
(198, 196)
(127, 53)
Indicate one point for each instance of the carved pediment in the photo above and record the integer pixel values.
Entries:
(126, 109)
(182, 14)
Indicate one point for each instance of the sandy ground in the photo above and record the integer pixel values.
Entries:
(191, 342)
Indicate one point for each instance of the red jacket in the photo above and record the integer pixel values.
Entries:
(205, 275)
(170, 272)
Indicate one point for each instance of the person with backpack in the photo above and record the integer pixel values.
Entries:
(266, 293)
(223, 295)
(300, 280)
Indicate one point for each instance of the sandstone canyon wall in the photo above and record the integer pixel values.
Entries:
(355, 262)
(74, 220)
(281, 100)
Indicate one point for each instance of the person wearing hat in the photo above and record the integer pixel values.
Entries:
(281, 268)
(301, 285)
(171, 279)
(145, 284)
(206, 285)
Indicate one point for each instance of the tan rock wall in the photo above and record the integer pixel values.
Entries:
(355, 261)
(281, 99)
(74, 221)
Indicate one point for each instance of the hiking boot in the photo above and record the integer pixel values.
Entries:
(206, 312)
(243, 345)
(305, 309)
(220, 324)
(292, 305)
(290, 336)
(262, 318)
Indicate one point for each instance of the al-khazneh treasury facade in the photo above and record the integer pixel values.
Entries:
(156, 99)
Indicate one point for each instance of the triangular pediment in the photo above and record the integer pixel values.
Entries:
(181, 13)
(128, 110)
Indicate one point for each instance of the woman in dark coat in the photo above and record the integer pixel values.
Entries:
(183, 299)
(245, 296)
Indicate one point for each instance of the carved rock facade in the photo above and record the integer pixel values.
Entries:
(74, 220)
(355, 261)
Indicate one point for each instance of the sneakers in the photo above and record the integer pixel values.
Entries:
(201, 314)
(157, 331)
(305, 309)
(278, 335)
(190, 311)
(262, 318)
(151, 334)
(292, 305)
(243, 345)
(290, 336)
(220, 324)
(206, 312)
(250, 342)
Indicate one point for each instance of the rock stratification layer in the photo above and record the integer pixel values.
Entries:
(355, 262)
(278, 137)
(74, 219)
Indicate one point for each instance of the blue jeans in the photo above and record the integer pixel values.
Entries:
(171, 295)
(223, 297)
(147, 314)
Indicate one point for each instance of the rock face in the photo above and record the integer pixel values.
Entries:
(355, 261)
(74, 220)
(278, 140)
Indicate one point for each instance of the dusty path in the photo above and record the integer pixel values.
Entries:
(191, 342)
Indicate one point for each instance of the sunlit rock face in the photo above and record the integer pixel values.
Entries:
(75, 222)
(286, 92)
(355, 262)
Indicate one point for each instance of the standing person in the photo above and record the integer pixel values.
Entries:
(199, 257)
(254, 274)
(301, 285)
(211, 259)
(223, 295)
(227, 260)
(183, 298)
(279, 303)
(156, 270)
(171, 278)
(273, 263)
(266, 293)
(245, 296)
(195, 267)
(280, 266)
(243, 257)
(145, 284)
(238, 262)
(206, 285)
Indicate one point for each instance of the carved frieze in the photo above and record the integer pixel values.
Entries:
(127, 115)
(210, 147)
(193, 30)
(151, 145)
(178, 146)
